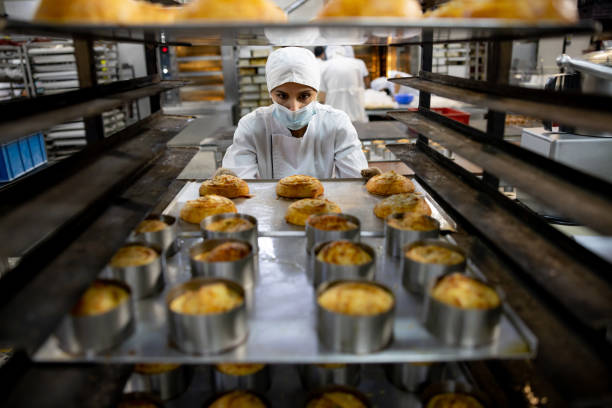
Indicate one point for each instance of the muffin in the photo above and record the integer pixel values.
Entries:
(151, 369)
(400, 203)
(389, 183)
(299, 187)
(464, 292)
(99, 298)
(452, 400)
(412, 222)
(530, 10)
(336, 399)
(344, 253)
(434, 254)
(151, 226)
(332, 223)
(240, 10)
(238, 399)
(230, 225)
(196, 210)
(239, 369)
(225, 185)
(356, 298)
(226, 252)
(208, 299)
(299, 211)
(133, 255)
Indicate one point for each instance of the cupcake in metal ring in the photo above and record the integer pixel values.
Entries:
(225, 185)
(402, 203)
(344, 253)
(226, 252)
(357, 299)
(153, 225)
(100, 298)
(299, 211)
(337, 398)
(196, 210)
(389, 183)
(464, 292)
(299, 186)
(133, 255)
(238, 399)
(208, 299)
(434, 254)
(233, 224)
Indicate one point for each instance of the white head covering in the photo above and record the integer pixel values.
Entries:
(292, 64)
(335, 50)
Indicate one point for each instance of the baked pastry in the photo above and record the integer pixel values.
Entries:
(133, 255)
(209, 299)
(401, 203)
(238, 399)
(452, 400)
(356, 298)
(329, 222)
(367, 8)
(299, 187)
(104, 11)
(226, 252)
(530, 10)
(389, 183)
(99, 298)
(158, 368)
(412, 222)
(343, 253)
(151, 226)
(225, 185)
(336, 399)
(234, 224)
(434, 254)
(239, 369)
(242, 10)
(464, 292)
(298, 212)
(196, 210)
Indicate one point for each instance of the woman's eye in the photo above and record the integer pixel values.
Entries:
(281, 95)
(304, 97)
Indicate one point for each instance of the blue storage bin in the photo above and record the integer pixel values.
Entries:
(21, 156)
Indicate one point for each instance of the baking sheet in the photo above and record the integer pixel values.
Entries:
(269, 209)
(282, 324)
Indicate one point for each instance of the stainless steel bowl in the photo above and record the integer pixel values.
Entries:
(97, 333)
(324, 271)
(207, 333)
(146, 280)
(396, 239)
(315, 235)
(413, 376)
(162, 239)
(339, 388)
(315, 376)
(166, 385)
(418, 277)
(249, 236)
(353, 334)
(259, 381)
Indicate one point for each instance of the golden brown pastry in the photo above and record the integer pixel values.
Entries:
(225, 185)
(343, 253)
(464, 292)
(241, 10)
(100, 298)
(368, 8)
(389, 183)
(133, 255)
(196, 210)
(402, 203)
(226, 252)
(238, 399)
(209, 299)
(104, 11)
(298, 212)
(530, 10)
(452, 400)
(239, 369)
(151, 226)
(412, 222)
(299, 187)
(434, 254)
(336, 399)
(158, 368)
(356, 298)
(230, 225)
(332, 223)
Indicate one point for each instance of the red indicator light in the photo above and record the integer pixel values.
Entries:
(164, 49)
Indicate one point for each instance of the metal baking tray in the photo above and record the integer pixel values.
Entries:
(269, 209)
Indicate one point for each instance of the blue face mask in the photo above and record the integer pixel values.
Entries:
(294, 120)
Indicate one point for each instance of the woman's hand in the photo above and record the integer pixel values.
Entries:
(370, 172)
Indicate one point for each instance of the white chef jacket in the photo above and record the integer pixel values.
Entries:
(263, 148)
(342, 82)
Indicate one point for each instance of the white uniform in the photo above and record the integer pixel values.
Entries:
(263, 148)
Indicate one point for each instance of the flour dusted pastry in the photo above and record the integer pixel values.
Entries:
(241, 10)
(389, 183)
(133, 255)
(412, 222)
(104, 11)
(401, 203)
(99, 298)
(155, 368)
(298, 212)
(234, 224)
(225, 185)
(299, 186)
(196, 210)
(368, 8)
(453, 400)
(238, 399)
(208, 299)
(356, 298)
(529, 10)
(343, 253)
(434, 254)
(464, 292)
(239, 369)
(151, 226)
(331, 222)
(226, 252)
